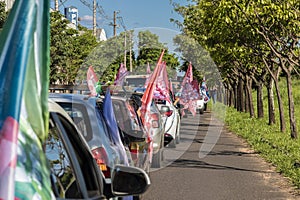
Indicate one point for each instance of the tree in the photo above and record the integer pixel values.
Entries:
(242, 35)
(3, 14)
(107, 57)
(150, 49)
(68, 49)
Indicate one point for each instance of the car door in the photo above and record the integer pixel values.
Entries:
(74, 173)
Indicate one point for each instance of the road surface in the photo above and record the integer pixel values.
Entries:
(212, 163)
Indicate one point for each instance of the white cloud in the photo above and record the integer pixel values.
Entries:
(86, 18)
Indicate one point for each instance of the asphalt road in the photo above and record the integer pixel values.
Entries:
(212, 163)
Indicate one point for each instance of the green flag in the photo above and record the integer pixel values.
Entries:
(24, 72)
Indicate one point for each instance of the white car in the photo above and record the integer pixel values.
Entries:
(172, 123)
(200, 106)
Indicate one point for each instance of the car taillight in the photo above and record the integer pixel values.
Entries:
(154, 118)
(169, 113)
(101, 158)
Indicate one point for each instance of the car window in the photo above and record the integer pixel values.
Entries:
(120, 116)
(73, 171)
(80, 117)
(62, 172)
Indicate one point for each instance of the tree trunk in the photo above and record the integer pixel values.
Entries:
(271, 107)
(250, 98)
(280, 105)
(235, 96)
(240, 96)
(231, 99)
(274, 73)
(246, 99)
(293, 126)
(260, 102)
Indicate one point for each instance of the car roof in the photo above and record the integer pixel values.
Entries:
(54, 107)
(70, 96)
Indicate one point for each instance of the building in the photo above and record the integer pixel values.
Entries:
(71, 13)
(101, 35)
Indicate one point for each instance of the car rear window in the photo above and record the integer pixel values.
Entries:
(80, 117)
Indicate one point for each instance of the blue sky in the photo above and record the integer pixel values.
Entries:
(135, 13)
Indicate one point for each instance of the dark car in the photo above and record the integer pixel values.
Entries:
(74, 172)
(87, 115)
(133, 130)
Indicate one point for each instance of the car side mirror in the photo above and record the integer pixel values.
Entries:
(129, 181)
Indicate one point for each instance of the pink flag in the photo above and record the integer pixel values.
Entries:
(122, 72)
(147, 100)
(92, 81)
(162, 91)
(189, 93)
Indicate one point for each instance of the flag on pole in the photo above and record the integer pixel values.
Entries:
(122, 72)
(162, 90)
(112, 125)
(147, 100)
(189, 94)
(92, 80)
(24, 81)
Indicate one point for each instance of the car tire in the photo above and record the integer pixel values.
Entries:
(201, 111)
(178, 137)
(156, 159)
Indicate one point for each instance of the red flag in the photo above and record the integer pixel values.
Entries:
(92, 81)
(147, 100)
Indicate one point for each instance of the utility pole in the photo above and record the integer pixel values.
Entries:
(130, 56)
(94, 18)
(125, 48)
(115, 23)
(56, 5)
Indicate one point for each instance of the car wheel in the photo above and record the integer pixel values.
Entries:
(201, 111)
(156, 159)
(178, 137)
(147, 170)
(137, 197)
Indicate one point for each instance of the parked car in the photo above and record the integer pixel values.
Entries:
(200, 105)
(74, 172)
(135, 80)
(158, 128)
(133, 130)
(86, 113)
(172, 122)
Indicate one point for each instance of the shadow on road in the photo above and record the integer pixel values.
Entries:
(185, 163)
